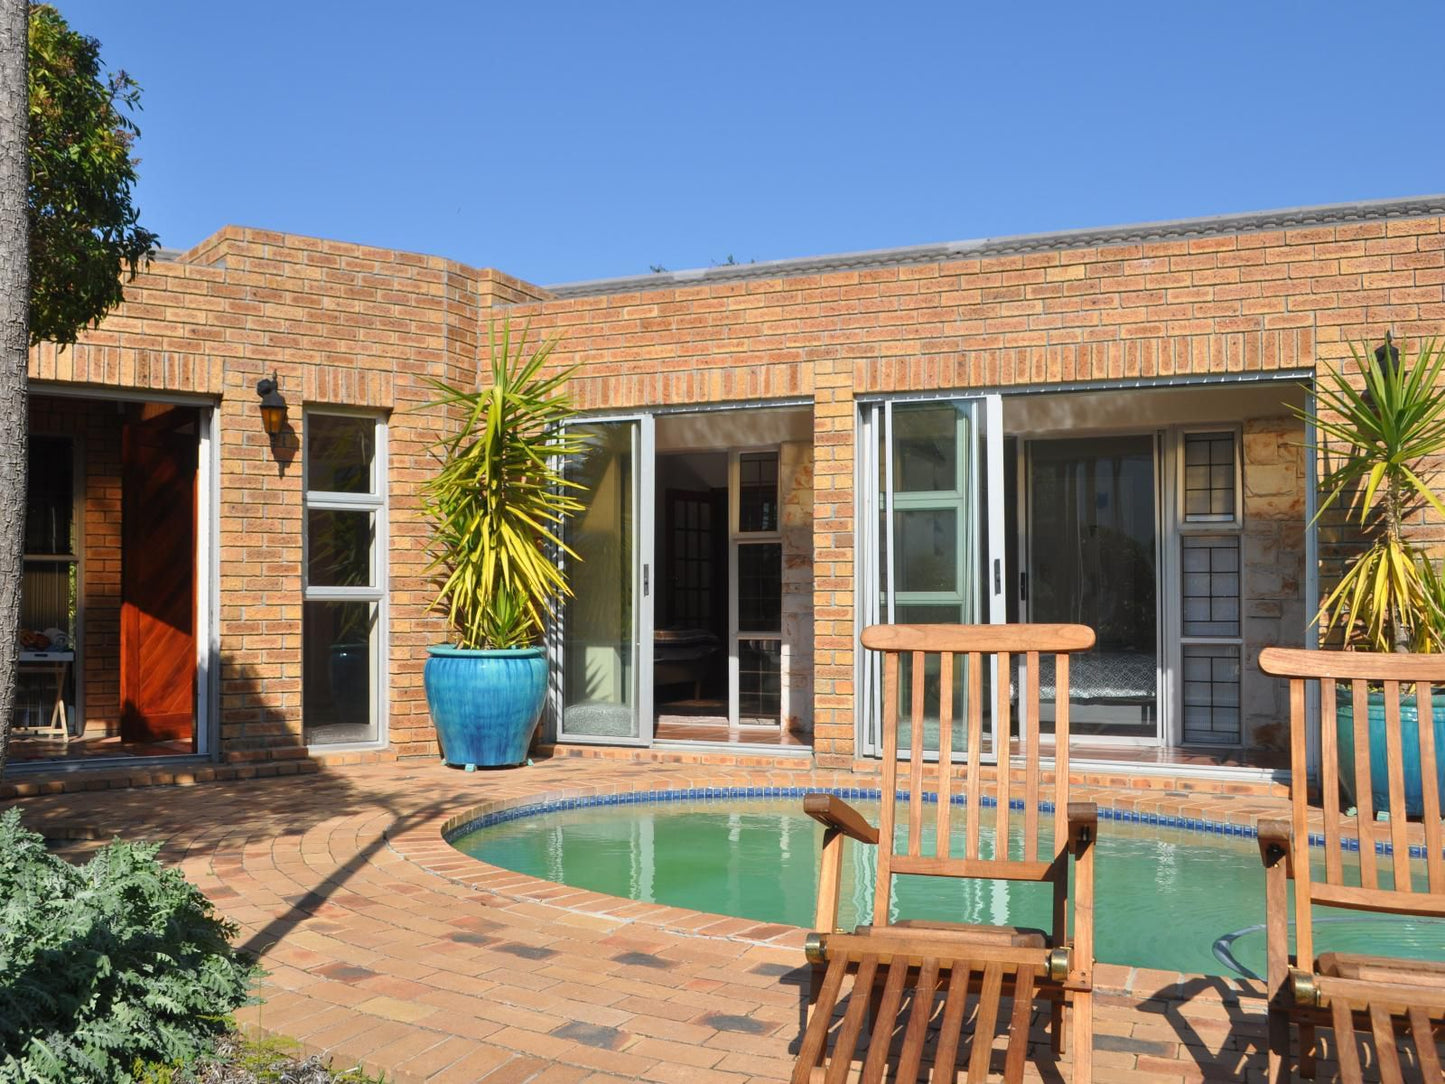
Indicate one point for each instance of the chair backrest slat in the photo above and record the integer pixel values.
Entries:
(945, 756)
(1003, 728)
(1364, 792)
(973, 791)
(887, 807)
(1298, 809)
(1395, 768)
(915, 754)
(1429, 770)
(963, 653)
(1330, 782)
(1061, 754)
(1031, 755)
(1383, 766)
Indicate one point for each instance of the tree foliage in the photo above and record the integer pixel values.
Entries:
(84, 226)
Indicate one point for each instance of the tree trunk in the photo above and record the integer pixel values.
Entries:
(14, 349)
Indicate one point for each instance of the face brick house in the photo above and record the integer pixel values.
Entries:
(1087, 426)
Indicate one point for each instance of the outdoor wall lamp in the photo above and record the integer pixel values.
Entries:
(273, 406)
(1387, 353)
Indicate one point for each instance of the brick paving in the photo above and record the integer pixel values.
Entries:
(386, 948)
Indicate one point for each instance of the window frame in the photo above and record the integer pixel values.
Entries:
(1210, 523)
(737, 538)
(75, 560)
(1215, 526)
(375, 502)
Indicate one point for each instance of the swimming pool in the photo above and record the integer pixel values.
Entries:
(1168, 897)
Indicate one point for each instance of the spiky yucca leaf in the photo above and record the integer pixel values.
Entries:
(1385, 433)
(499, 498)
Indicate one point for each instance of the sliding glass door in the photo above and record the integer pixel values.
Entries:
(1092, 559)
(605, 627)
(931, 530)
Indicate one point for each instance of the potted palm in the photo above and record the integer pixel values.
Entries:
(496, 505)
(1390, 596)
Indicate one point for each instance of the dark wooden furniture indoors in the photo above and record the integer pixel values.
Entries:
(924, 986)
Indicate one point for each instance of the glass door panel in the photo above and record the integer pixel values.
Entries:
(1092, 547)
(606, 684)
(931, 537)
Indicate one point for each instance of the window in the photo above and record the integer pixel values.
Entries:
(345, 583)
(1210, 593)
(1211, 477)
(49, 591)
(759, 662)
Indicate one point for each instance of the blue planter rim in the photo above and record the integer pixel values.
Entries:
(451, 651)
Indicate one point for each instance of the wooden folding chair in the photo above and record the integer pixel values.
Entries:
(1385, 998)
(899, 970)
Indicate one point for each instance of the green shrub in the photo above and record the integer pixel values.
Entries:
(103, 966)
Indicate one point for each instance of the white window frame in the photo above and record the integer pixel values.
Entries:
(378, 591)
(1172, 585)
(1211, 523)
(736, 539)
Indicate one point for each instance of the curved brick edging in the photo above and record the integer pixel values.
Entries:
(419, 844)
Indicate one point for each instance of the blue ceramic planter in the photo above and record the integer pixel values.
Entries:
(485, 704)
(1409, 747)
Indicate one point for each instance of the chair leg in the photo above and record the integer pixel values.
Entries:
(1058, 1042)
(1307, 1051)
(1278, 1047)
(1082, 1012)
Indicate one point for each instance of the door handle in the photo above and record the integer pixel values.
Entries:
(1023, 586)
(997, 576)
(646, 572)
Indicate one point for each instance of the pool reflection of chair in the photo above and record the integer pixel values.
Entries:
(1384, 997)
(900, 969)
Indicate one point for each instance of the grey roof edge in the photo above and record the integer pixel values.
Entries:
(1329, 214)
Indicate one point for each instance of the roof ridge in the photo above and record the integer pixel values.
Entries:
(1016, 244)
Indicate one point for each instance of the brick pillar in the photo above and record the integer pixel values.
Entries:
(833, 584)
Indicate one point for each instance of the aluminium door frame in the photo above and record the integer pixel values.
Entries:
(644, 516)
(875, 597)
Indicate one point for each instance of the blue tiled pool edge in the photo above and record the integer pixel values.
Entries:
(868, 794)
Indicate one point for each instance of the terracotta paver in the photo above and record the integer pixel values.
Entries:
(387, 948)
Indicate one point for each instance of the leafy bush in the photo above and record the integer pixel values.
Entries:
(103, 966)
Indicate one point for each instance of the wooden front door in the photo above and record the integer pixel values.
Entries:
(158, 577)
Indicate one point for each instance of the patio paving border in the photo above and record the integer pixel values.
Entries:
(387, 948)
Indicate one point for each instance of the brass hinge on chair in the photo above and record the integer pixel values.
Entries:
(1306, 990)
(1060, 963)
(815, 947)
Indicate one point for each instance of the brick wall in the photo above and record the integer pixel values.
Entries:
(359, 326)
(795, 484)
(340, 324)
(1213, 306)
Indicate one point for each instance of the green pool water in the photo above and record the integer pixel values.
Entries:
(1165, 897)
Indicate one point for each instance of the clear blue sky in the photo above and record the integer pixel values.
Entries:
(563, 141)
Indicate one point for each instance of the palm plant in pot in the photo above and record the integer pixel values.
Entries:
(496, 506)
(1390, 596)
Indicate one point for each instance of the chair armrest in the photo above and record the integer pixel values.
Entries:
(832, 812)
(1083, 820)
(1276, 841)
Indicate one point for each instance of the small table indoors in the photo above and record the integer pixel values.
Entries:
(57, 665)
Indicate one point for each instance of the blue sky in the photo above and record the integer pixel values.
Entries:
(562, 141)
